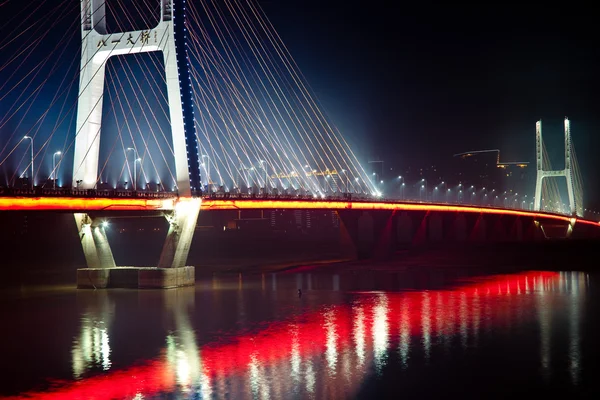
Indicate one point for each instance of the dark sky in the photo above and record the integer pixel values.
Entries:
(423, 81)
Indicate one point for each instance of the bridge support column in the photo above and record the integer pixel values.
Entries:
(182, 224)
(102, 272)
(371, 233)
(96, 248)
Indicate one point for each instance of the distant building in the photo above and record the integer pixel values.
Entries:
(483, 168)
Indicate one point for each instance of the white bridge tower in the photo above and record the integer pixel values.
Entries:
(169, 36)
(97, 47)
(567, 172)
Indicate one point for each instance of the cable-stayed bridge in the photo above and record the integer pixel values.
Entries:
(183, 106)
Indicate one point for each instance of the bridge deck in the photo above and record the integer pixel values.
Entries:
(77, 204)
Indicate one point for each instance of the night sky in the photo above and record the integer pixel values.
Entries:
(414, 84)
(417, 83)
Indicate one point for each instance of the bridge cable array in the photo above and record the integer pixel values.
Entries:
(258, 122)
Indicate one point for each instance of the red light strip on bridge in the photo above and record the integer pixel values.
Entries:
(78, 204)
(210, 204)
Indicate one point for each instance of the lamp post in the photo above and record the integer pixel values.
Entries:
(401, 180)
(32, 170)
(347, 181)
(135, 157)
(442, 186)
(58, 153)
(135, 172)
(207, 169)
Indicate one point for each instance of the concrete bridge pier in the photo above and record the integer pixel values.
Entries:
(96, 249)
(377, 234)
(182, 224)
(370, 234)
(102, 271)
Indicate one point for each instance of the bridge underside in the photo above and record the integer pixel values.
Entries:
(171, 270)
(366, 229)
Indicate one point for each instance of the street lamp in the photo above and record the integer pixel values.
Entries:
(347, 180)
(135, 172)
(32, 174)
(58, 153)
(207, 169)
(442, 185)
(135, 157)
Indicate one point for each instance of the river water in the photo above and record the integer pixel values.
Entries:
(348, 334)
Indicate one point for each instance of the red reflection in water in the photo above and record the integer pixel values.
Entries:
(366, 328)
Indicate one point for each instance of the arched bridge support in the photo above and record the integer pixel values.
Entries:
(370, 233)
(378, 234)
(96, 248)
(102, 271)
(182, 224)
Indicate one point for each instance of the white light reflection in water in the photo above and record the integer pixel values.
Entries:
(545, 318)
(404, 345)
(450, 313)
(331, 344)
(439, 318)
(380, 331)
(347, 365)
(426, 323)
(578, 288)
(254, 376)
(359, 334)
(464, 330)
(310, 378)
(476, 307)
(295, 358)
(91, 349)
(259, 381)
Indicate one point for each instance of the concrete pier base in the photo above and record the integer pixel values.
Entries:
(135, 277)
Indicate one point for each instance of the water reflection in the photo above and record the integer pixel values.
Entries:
(380, 331)
(322, 352)
(91, 349)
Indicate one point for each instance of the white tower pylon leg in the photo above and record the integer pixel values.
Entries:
(539, 156)
(569, 168)
(97, 47)
(567, 172)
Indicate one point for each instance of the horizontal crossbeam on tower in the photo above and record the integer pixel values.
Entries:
(97, 47)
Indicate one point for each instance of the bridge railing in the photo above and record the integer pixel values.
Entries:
(84, 193)
(131, 194)
(288, 196)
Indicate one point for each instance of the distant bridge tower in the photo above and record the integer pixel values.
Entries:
(169, 36)
(567, 172)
